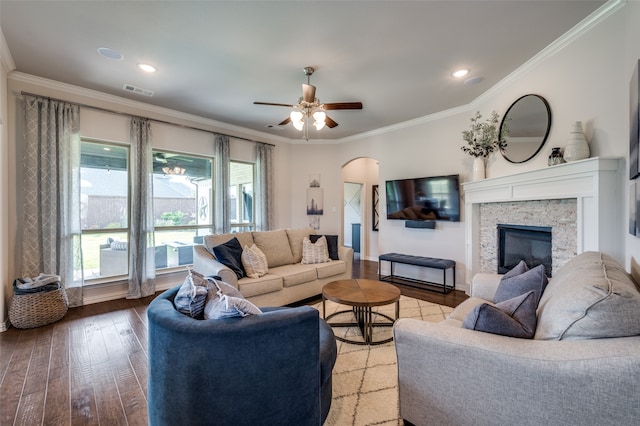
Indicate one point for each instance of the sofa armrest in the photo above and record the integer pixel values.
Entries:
(207, 265)
(484, 285)
(490, 379)
(346, 254)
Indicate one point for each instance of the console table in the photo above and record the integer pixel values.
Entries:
(425, 262)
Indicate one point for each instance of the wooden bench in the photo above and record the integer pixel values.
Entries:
(426, 262)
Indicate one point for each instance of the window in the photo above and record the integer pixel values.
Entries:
(183, 211)
(104, 208)
(241, 212)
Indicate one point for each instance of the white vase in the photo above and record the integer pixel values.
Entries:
(478, 168)
(577, 147)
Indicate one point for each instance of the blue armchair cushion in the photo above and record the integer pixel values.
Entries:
(225, 301)
(514, 317)
(510, 287)
(230, 255)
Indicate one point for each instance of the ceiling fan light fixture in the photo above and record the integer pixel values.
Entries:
(319, 117)
(297, 119)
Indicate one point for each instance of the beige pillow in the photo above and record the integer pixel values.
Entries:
(315, 252)
(254, 261)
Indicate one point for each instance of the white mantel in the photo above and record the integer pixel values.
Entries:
(594, 182)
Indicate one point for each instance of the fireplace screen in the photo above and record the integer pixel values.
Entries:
(529, 243)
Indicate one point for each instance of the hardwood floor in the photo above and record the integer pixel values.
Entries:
(90, 368)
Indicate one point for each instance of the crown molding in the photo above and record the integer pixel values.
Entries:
(93, 98)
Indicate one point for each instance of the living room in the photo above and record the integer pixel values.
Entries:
(584, 77)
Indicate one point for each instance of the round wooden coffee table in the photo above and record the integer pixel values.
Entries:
(362, 295)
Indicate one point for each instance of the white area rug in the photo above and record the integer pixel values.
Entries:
(365, 378)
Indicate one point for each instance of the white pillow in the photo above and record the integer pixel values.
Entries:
(225, 301)
(254, 261)
(315, 252)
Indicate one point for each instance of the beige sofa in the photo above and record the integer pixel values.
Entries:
(570, 373)
(287, 280)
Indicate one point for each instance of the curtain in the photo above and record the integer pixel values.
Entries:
(264, 187)
(142, 267)
(221, 214)
(51, 237)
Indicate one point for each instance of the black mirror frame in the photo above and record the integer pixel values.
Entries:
(546, 135)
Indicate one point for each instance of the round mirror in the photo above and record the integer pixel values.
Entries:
(525, 127)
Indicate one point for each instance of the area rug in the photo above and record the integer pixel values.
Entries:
(365, 378)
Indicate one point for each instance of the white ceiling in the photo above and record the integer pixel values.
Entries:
(214, 58)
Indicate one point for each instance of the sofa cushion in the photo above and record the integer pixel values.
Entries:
(230, 255)
(332, 244)
(295, 237)
(210, 241)
(516, 285)
(295, 274)
(329, 269)
(225, 301)
(192, 295)
(275, 245)
(250, 287)
(514, 317)
(315, 252)
(591, 296)
(254, 261)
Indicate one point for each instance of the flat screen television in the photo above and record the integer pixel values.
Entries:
(425, 198)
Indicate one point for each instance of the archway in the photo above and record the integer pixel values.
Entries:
(359, 176)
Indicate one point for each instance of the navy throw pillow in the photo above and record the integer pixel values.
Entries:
(230, 255)
(534, 279)
(332, 244)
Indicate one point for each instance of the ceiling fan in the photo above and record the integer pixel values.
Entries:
(309, 106)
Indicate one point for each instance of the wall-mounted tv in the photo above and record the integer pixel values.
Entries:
(426, 198)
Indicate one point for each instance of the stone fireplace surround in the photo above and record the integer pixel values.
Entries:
(591, 187)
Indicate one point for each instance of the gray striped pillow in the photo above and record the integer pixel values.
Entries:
(254, 261)
(315, 252)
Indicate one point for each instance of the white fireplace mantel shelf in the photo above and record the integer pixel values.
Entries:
(594, 182)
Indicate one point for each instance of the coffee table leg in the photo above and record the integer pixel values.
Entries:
(324, 308)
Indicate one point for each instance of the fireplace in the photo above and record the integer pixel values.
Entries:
(529, 243)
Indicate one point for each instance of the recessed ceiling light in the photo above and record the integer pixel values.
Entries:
(460, 73)
(147, 67)
(110, 53)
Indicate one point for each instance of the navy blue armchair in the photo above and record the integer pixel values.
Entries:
(271, 369)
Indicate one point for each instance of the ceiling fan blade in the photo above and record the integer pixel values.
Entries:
(329, 122)
(342, 105)
(270, 103)
(308, 93)
(285, 121)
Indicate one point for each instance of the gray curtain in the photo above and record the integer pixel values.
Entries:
(221, 214)
(51, 237)
(142, 267)
(264, 187)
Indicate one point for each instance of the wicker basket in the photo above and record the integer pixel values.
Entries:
(38, 309)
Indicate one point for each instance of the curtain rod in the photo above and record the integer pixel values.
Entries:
(184, 126)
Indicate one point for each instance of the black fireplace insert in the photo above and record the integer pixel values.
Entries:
(529, 243)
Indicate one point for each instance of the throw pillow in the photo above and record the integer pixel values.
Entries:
(514, 317)
(254, 261)
(230, 255)
(520, 268)
(332, 244)
(534, 279)
(192, 295)
(315, 252)
(225, 301)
